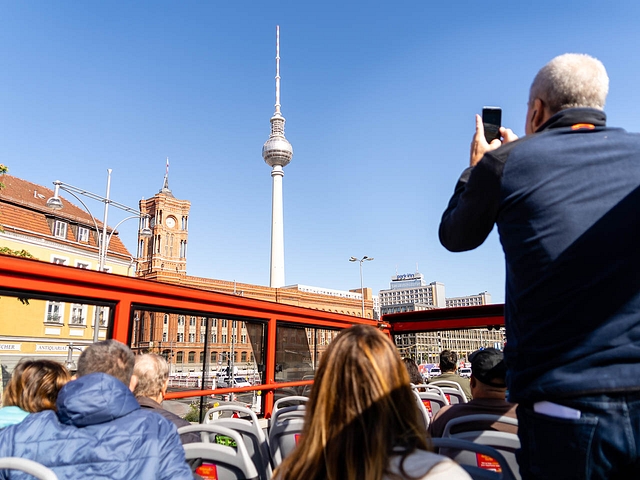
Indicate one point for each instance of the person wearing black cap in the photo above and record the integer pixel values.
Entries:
(488, 388)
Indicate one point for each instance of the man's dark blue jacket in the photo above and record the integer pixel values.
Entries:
(566, 201)
(99, 432)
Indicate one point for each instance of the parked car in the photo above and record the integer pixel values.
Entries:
(237, 382)
(435, 372)
(465, 372)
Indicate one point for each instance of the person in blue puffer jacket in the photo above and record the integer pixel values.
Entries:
(99, 430)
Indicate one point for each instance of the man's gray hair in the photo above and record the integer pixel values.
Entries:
(108, 356)
(571, 80)
(152, 371)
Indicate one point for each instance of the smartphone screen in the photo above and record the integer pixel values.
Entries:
(492, 119)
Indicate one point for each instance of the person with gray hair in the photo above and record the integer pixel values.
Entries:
(565, 200)
(151, 372)
(99, 429)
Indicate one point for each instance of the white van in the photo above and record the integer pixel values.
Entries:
(435, 372)
(465, 372)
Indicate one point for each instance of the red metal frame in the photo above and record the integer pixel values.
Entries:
(26, 276)
(481, 316)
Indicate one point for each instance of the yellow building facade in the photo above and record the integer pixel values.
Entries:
(69, 236)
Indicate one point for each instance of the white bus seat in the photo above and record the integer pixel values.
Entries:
(227, 462)
(481, 417)
(252, 434)
(481, 462)
(433, 398)
(453, 391)
(280, 409)
(284, 435)
(505, 443)
(35, 469)
(423, 410)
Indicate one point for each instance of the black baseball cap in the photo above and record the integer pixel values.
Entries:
(487, 365)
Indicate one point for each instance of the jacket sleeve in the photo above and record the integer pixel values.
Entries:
(173, 464)
(473, 208)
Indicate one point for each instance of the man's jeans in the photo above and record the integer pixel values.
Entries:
(603, 443)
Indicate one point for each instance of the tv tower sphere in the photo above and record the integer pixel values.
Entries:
(277, 150)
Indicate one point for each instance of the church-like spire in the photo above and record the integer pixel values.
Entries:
(165, 187)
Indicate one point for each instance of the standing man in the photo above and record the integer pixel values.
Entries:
(449, 367)
(566, 200)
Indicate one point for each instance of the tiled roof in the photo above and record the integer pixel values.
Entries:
(23, 208)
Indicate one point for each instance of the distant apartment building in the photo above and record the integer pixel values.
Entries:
(409, 293)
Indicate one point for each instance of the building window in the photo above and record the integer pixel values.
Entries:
(243, 338)
(224, 323)
(201, 357)
(215, 323)
(180, 337)
(54, 312)
(59, 261)
(224, 338)
(83, 265)
(203, 322)
(214, 357)
(166, 319)
(181, 320)
(83, 234)
(179, 357)
(192, 321)
(214, 337)
(102, 315)
(60, 229)
(192, 337)
(78, 316)
(201, 337)
(164, 336)
(192, 357)
(244, 357)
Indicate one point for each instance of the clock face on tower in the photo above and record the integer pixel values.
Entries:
(170, 222)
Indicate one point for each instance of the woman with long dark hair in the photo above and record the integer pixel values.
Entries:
(362, 420)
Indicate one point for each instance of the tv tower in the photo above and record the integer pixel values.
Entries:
(277, 153)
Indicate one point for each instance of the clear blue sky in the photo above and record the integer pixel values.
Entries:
(379, 99)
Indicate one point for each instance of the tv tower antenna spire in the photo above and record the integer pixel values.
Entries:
(277, 153)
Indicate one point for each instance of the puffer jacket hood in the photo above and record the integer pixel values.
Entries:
(93, 399)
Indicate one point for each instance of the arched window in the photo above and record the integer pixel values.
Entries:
(192, 357)
(179, 356)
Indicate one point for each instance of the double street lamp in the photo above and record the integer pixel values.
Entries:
(363, 259)
(104, 237)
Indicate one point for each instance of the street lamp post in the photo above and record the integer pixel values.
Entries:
(104, 238)
(368, 259)
(69, 363)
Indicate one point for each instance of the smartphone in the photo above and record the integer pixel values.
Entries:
(492, 119)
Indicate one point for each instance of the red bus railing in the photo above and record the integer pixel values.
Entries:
(32, 279)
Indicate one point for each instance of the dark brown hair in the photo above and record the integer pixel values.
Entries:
(361, 410)
(448, 361)
(35, 384)
(413, 371)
